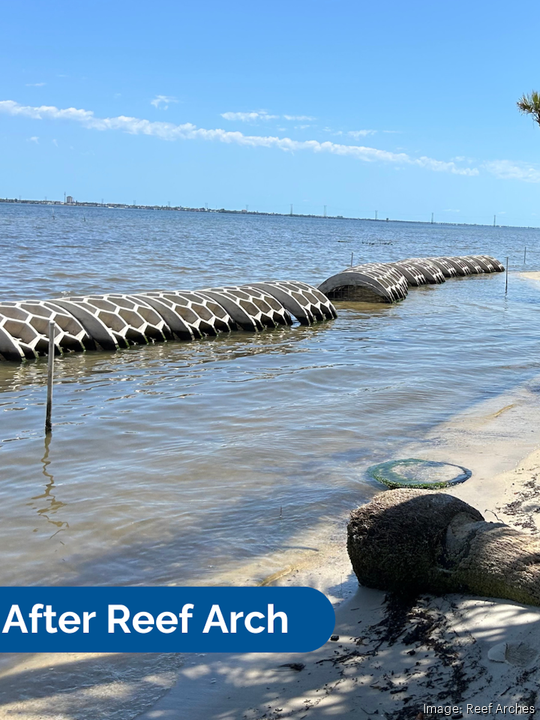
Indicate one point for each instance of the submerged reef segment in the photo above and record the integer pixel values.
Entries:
(112, 321)
(427, 474)
(388, 282)
(415, 541)
(373, 282)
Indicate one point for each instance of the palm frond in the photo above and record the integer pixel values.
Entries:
(530, 105)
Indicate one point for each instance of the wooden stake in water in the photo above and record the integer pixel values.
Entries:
(506, 284)
(352, 256)
(50, 375)
(525, 256)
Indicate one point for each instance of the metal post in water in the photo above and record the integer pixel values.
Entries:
(506, 284)
(50, 374)
(352, 256)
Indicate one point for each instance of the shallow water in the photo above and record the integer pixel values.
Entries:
(175, 462)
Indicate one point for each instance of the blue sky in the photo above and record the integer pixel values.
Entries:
(406, 108)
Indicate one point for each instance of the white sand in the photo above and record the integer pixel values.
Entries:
(455, 650)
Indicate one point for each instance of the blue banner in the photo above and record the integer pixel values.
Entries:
(163, 619)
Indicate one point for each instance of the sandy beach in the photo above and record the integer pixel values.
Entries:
(392, 659)
(387, 658)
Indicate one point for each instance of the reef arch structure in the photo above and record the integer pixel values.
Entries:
(372, 282)
(389, 282)
(113, 320)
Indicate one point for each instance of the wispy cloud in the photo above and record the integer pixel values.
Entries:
(188, 131)
(360, 133)
(34, 139)
(264, 115)
(55, 142)
(249, 116)
(163, 101)
(35, 84)
(508, 170)
(299, 118)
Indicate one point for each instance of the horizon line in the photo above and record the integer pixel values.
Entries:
(181, 208)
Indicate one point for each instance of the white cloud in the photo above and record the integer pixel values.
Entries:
(249, 116)
(55, 142)
(452, 211)
(162, 101)
(299, 118)
(360, 133)
(35, 84)
(263, 115)
(34, 139)
(508, 170)
(188, 131)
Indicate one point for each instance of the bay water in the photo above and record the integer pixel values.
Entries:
(185, 462)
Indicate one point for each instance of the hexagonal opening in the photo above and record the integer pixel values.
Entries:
(112, 321)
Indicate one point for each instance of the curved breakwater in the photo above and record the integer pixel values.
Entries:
(114, 321)
(215, 461)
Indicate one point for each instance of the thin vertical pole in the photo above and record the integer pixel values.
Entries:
(506, 285)
(525, 256)
(352, 256)
(50, 375)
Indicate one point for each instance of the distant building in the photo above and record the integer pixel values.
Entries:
(69, 200)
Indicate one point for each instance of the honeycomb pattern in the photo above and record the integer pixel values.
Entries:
(461, 265)
(432, 273)
(250, 307)
(124, 320)
(491, 263)
(372, 282)
(387, 282)
(484, 263)
(24, 330)
(190, 315)
(115, 321)
(305, 302)
(447, 268)
(413, 273)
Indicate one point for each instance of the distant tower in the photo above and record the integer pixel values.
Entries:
(494, 220)
(432, 218)
(291, 208)
(325, 211)
(375, 214)
(64, 198)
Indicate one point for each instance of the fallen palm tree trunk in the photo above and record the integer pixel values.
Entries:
(412, 541)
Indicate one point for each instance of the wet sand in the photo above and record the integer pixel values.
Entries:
(392, 659)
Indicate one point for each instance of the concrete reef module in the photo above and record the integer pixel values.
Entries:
(389, 282)
(112, 321)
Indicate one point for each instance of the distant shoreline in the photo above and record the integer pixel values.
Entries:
(180, 208)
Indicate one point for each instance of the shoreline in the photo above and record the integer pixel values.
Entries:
(179, 208)
(389, 660)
